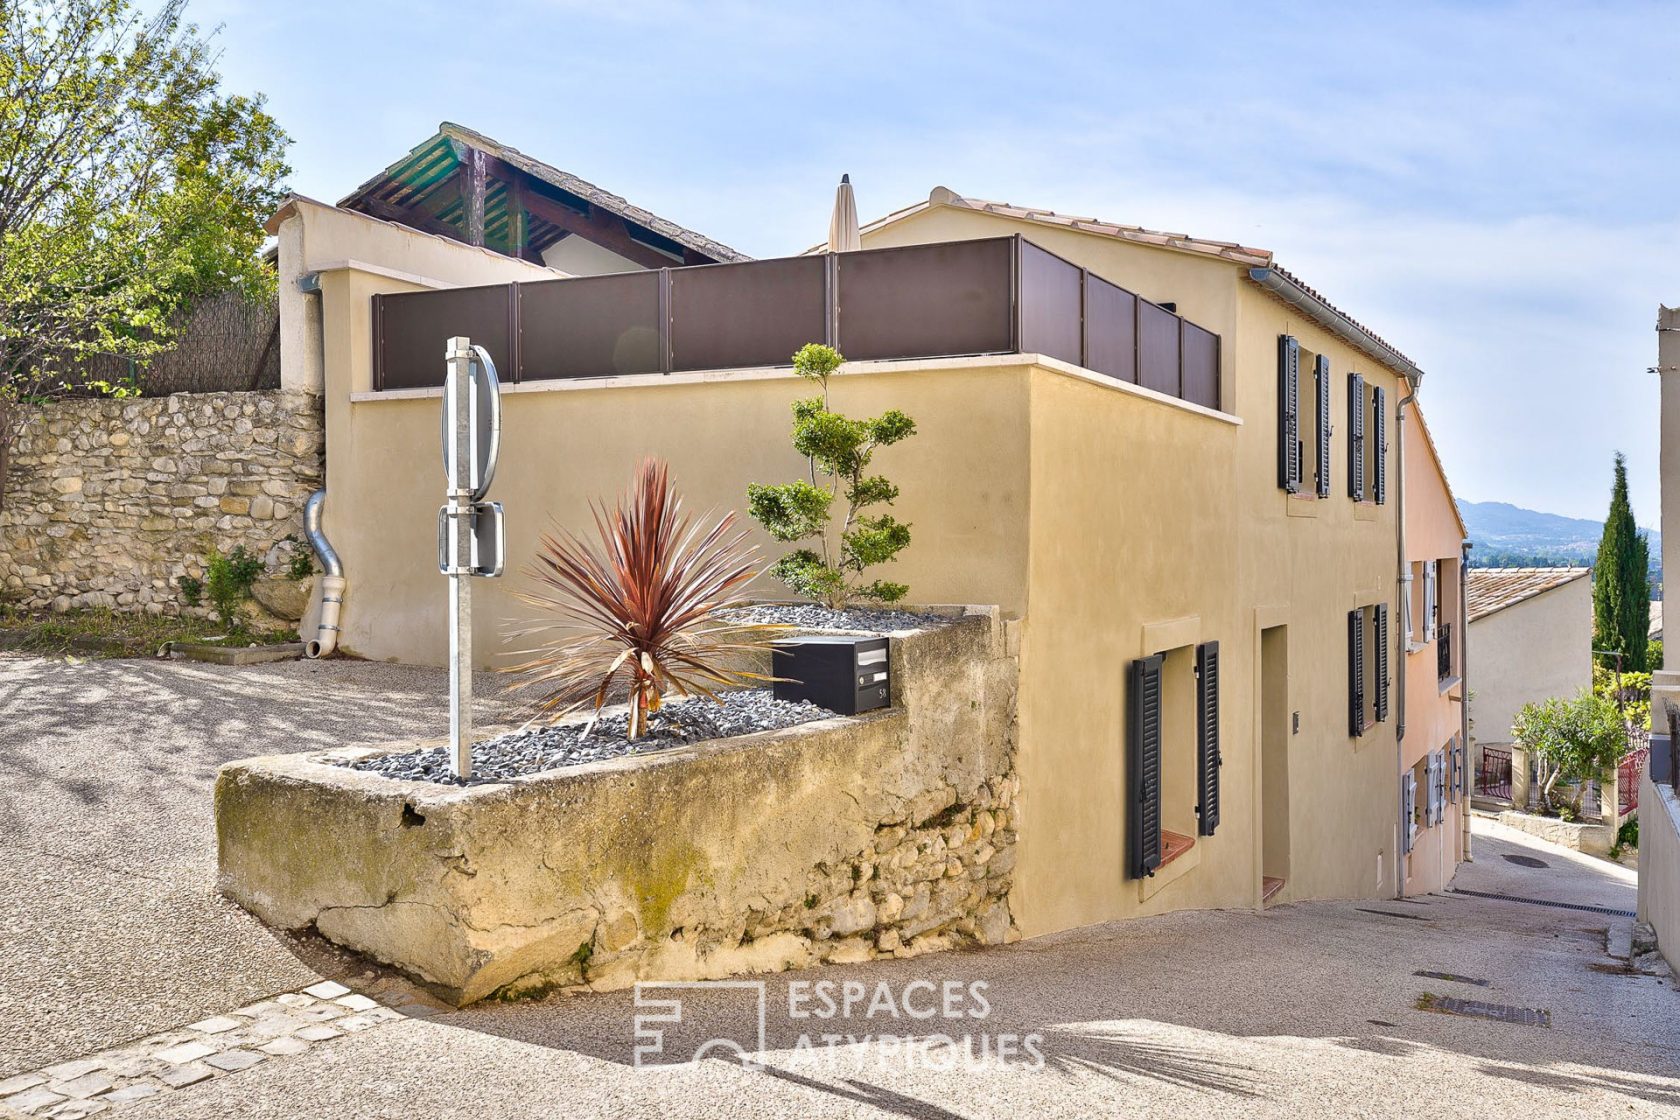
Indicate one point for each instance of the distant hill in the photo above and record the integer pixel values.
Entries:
(1505, 534)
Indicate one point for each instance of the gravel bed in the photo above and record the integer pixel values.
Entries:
(810, 616)
(533, 750)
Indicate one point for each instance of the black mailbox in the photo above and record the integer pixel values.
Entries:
(847, 675)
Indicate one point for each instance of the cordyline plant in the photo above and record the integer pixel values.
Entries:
(640, 608)
(1574, 741)
(840, 450)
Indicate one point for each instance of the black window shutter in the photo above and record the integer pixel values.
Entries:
(1143, 742)
(1382, 661)
(1379, 413)
(1356, 673)
(1356, 437)
(1322, 380)
(1208, 760)
(1408, 810)
(1289, 413)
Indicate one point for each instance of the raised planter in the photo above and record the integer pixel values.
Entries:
(235, 655)
(891, 833)
(1593, 839)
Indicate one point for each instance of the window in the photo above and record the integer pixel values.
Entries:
(1367, 441)
(1368, 676)
(1409, 808)
(1289, 414)
(1172, 718)
(1303, 420)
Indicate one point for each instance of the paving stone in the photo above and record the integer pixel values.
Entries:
(258, 1010)
(137, 1091)
(357, 1003)
(233, 1060)
(326, 989)
(216, 1024)
(381, 1014)
(75, 1110)
(354, 1023)
(285, 1047)
(32, 1100)
(316, 1032)
(320, 1013)
(186, 1052)
(69, 1071)
(87, 1085)
(273, 1026)
(295, 1000)
(136, 1067)
(190, 1074)
(21, 1082)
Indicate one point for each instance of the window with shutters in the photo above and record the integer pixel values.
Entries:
(1370, 674)
(1408, 809)
(1172, 755)
(1443, 609)
(1376, 446)
(1357, 456)
(1367, 412)
(1290, 451)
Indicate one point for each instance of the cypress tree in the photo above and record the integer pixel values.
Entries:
(1622, 582)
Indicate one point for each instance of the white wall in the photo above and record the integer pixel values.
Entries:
(579, 256)
(1532, 650)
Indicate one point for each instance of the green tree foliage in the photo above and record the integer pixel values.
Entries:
(838, 451)
(1621, 583)
(1574, 741)
(227, 581)
(130, 186)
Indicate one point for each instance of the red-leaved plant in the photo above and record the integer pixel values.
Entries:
(640, 607)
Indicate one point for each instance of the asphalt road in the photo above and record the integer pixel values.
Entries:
(110, 929)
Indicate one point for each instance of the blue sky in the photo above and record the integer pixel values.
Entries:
(1494, 188)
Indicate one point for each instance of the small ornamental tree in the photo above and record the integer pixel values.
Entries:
(838, 451)
(1574, 741)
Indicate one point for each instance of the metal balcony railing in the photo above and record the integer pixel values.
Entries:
(1444, 651)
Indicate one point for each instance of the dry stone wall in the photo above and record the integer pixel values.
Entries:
(111, 501)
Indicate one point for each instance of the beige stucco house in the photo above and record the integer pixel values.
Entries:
(1659, 802)
(1531, 638)
(1170, 462)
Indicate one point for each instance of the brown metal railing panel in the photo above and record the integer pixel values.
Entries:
(413, 327)
(927, 301)
(1158, 348)
(731, 316)
(1200, 350)
(1110, 330)
(591, 326)
(1052, 305)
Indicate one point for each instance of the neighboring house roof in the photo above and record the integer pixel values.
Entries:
(1262, 268)
(1494, 589)
(1655, 633)
(422, 175)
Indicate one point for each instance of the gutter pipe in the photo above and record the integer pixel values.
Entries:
(1464, 694)
(1303, 299)
(332, 581)
(1405, 581)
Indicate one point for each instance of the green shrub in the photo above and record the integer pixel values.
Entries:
(302, 565)
(192, 590)
(228, 580)
(1574, 741)
(1632, 696)
(839, 449)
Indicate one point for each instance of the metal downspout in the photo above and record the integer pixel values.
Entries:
(1464, 693)
(332, 579)
(1405, 582)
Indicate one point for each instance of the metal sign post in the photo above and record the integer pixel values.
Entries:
(470, 535)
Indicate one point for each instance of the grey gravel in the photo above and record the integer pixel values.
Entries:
(536, 749)
(810, 616)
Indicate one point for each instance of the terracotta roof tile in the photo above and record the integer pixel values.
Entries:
(1494, 589)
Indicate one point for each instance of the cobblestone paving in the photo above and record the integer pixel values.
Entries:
(174, 1061)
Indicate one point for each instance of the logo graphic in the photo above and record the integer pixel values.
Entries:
(733, 1026)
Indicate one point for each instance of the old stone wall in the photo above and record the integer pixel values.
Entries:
(111, 501)
(886, 835)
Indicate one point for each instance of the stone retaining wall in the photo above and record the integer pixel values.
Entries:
(111, 501)
(890, 834)
(1593, 839)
